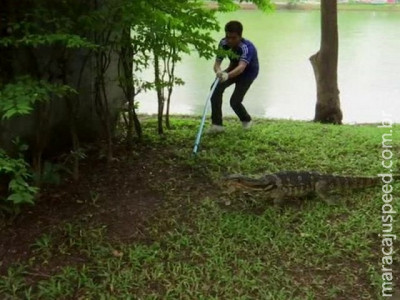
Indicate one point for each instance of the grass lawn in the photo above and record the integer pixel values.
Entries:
(191, 245)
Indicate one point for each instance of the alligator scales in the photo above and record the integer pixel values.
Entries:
(279, 186)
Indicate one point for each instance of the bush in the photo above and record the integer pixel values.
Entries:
(15, 176)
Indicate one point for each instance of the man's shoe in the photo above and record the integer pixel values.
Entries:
(247, 125)
(216, 129)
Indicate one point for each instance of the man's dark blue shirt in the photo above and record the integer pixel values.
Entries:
(247, 52)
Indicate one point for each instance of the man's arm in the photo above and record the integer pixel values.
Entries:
(238, 70)
(245, 58)
(219, 58)
(217, 66)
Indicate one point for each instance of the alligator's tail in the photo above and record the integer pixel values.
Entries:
(355, 182)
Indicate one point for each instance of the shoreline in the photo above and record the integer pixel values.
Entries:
(316, 6)
(148, 116)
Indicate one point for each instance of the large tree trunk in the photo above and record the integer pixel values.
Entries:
(11, 13)
(6, 15)
(325, 64)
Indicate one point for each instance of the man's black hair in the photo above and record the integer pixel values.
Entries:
(234, 26)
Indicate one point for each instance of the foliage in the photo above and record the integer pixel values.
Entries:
(19, 98)
(17, 174)
(228, 5)
(161, 29)
(36, 40)
(168, 29)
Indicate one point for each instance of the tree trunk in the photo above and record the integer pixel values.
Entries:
(7, 14)
(170, 68)
(128, 85)
(160, 94)
(102, 63)
(127, 57)
(167, 121)
(171, 81)
(43, 114)
(72, 104)
(170, 88)
(325, 64)
(138, 126)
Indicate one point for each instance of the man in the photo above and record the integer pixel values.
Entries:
(242, 71)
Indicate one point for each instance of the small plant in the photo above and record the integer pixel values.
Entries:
(19, 98)
(43, 245)
(16, 175)
(50, 174)
(94, 198)
(13, 283)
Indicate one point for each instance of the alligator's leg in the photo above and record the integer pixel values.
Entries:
(230, 190)
(278, 197)
(227, 195)
(323, 190)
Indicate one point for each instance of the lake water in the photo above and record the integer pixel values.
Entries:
(369, 67)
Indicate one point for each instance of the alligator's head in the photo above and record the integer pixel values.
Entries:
(265, 183)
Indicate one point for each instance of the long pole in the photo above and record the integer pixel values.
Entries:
(203, 119)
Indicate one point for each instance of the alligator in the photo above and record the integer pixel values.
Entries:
(281, 185)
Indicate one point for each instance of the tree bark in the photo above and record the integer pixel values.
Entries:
(325, 64)
(171, 81)
(7, 15)
(160, 94)
(127, 54)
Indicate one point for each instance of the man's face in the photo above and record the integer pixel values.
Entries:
(233, 39)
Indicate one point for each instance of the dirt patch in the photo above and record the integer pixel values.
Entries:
(121, 196)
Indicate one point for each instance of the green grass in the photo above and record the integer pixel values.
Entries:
(197, 248)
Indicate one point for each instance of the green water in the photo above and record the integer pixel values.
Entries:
(369, 67)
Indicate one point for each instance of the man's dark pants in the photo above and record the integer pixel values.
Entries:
(241, 87)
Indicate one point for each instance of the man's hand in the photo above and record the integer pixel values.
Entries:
(223, 76)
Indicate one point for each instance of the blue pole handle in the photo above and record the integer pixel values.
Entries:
(203, 119)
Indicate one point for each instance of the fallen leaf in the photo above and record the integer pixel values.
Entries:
(117, 253)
